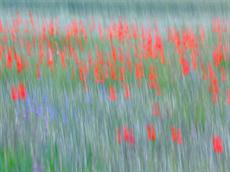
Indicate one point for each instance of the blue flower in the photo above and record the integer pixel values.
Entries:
(39, 111)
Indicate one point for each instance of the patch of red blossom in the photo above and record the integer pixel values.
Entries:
(112, 93)
(14, 93)
(151, 133)
(22, 91)
(176, 135)
(128, 135)
(217, 144)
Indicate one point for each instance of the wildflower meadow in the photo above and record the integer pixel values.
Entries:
(82, 94)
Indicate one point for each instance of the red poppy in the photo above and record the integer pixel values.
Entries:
(151, 133)
(122, 73)
(127, 91)
(228, 97)
(218, 55)
(159, 46)
(112, 93)
(217, 144)
(9, 60)
(194, 55)
(82, 76)
(176, 135)
(139, 72)
(121, 56)
(128, 135)
(98, 75)
(215, 90)
(149, 47)
(153, 82)
(62, 56)
(28, 48)
(50, 59)
(113, 73)
(22, 91)
(19, 65)
(185, 66)
(14, 93)
(114, 54)
(179, 137)
(51, 28)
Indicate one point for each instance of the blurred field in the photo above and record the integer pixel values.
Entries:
(64, 105)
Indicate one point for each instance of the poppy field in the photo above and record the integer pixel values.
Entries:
(115, 96)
